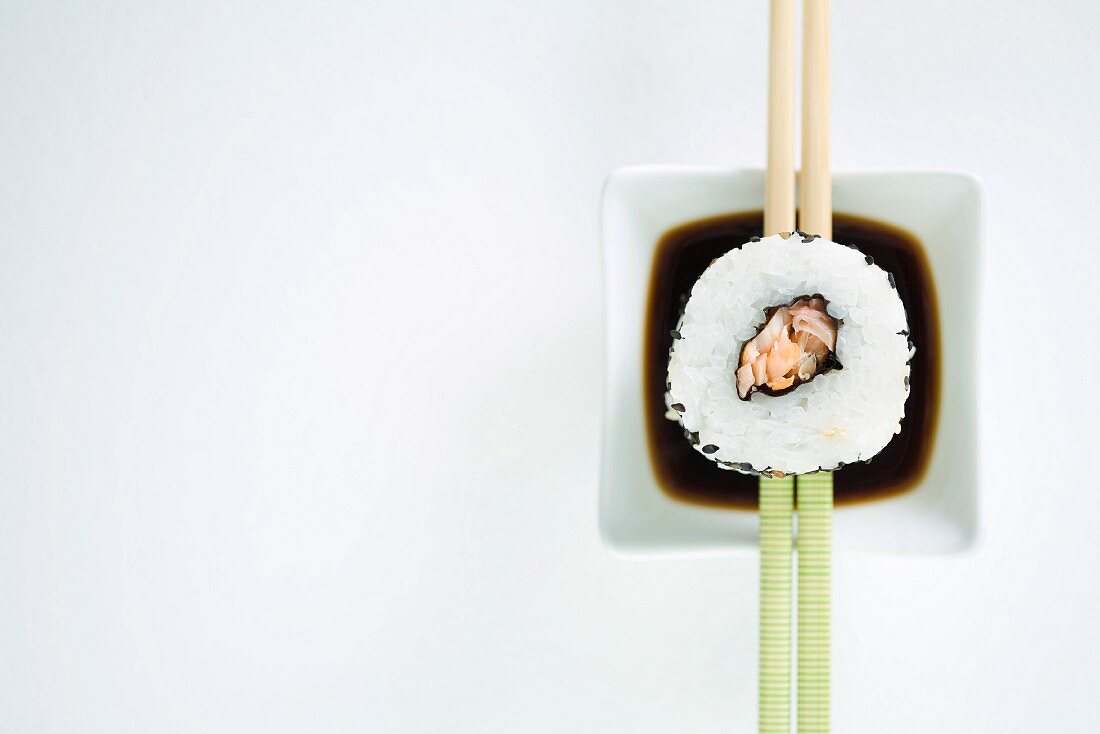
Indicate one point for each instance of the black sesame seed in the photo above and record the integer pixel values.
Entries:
(754, 239)
(678, 407)
(676, 334)
(893, 283)
(903, 332)
(709, 448)
(746, 466)
(907, 380)
(870, 260)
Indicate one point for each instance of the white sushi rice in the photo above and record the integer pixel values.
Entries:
(840, 417)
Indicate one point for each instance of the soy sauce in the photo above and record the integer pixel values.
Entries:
(681, 257)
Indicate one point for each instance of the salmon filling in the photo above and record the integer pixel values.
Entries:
(796, 343)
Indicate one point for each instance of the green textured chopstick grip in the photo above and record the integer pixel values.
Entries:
(776, 540)
(815, 540)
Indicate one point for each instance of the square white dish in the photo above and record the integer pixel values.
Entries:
(943, 210)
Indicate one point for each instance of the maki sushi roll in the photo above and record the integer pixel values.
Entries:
(791, 356)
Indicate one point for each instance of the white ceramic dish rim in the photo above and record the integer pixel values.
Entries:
(969, 535)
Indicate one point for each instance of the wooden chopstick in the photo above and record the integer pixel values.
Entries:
(776, 516)
(777, 494)
(816, 212)
(779, 175)
(815, 491)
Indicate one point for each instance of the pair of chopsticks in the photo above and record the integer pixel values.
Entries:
(815, 491)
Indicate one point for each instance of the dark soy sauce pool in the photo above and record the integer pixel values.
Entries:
(681, 257)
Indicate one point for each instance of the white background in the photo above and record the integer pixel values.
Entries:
(300, 347)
